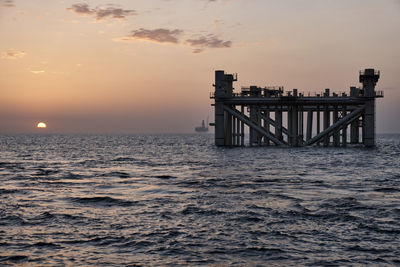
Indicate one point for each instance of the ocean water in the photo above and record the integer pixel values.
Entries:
(177, 200)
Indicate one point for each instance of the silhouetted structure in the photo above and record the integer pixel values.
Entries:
(202, 128)
(274, 117)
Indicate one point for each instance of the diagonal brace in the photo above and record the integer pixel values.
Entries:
(273, 123)
(328, 131)
(251, 124)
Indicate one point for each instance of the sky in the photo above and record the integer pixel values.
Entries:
(134, 66)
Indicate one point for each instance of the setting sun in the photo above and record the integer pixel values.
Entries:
(41, 125)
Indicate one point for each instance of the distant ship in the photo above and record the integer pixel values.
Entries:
(202, 128)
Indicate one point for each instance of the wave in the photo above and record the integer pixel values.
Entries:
(14, 259)
(103, 201)
(165, 177)
(124, 159)
(46, 245)
(9, 191)
(45, 172)
(201, 211)
(116, 174)
(387, 189)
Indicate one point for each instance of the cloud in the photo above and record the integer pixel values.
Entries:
(162, 35)
(197, 50)
(7, 3)
(209, 41)
(157, 35)
(37, 71)
(116, 13)
(101, 13)
(81, 9)
(13, 54)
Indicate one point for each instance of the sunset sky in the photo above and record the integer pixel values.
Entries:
(134, 66)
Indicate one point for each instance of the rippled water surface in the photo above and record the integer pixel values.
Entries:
(140, 200)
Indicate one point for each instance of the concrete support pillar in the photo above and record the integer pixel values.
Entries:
(219, 124)
(369, 78)
(242, 128)
(278, 127)
(369, 124)
(238, 133)
(327, 122)
(289, 124)
(336, 134)
(259, 122)
(223, 121)
(301, 126)
(327, 118)
(220, 91)
(309, 124)
(354, 131)
(267, 124)
(234, 133)
(344, 129)
(228, 129)
(293, 125)
(362, 129)
(253, 118)
(318, 121)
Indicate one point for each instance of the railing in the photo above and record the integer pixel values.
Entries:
(271, 88)
(309, 94)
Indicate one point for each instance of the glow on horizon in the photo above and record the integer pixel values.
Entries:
(41, 125)
(148, 66)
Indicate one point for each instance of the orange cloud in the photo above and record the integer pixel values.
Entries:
(210, 41)
(157, 35)
(101, 13)
(37, 71)
(13, 54)
(7, 3)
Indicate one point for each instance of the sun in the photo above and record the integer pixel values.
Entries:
(41, 125)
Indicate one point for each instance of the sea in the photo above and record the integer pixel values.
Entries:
(177, 200)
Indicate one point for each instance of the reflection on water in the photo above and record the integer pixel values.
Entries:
(178, 200)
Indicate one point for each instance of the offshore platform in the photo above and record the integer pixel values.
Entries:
(274, 117)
